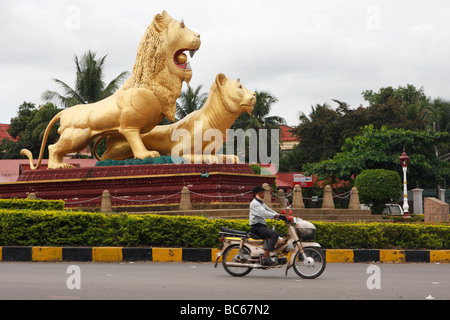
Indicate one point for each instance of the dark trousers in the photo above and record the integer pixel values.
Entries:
(264, 232)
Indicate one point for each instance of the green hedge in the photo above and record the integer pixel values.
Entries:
(65, 228)
(380, 235)
(31, 204)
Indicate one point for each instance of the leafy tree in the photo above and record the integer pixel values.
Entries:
(31, 122)
(28, 127)
(24, 115)
(410, 101)
(323, 133)
(289, 161)
(437, 115)
(89, 84)
(377, 187)
(408, 95)
(318, 134)
(380, 149)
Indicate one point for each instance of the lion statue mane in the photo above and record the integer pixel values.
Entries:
(142, 102)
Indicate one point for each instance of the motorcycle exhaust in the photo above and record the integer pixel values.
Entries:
(244, 265)
(251, 265)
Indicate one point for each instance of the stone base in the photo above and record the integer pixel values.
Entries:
(137, 185)
(435, 210)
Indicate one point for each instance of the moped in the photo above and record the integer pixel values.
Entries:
(242, 251)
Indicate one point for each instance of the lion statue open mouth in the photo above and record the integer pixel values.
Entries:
(144, 100)
(226, 101)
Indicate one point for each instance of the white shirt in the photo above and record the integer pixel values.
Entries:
(259, 212)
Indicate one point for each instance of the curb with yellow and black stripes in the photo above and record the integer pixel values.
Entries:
(117, 254)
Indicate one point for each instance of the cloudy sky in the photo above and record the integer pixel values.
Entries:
(302, 52)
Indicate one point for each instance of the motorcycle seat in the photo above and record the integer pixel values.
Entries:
(233, 232)
(238, 233)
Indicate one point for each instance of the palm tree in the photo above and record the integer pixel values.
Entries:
(260, 118)
(438, 115)
(190, 101)
(89, 84)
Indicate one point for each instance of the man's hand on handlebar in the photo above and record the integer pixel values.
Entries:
(281, 217)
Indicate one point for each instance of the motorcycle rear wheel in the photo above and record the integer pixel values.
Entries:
(313, 267)
(231, 255)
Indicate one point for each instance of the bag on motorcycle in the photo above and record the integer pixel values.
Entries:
(305, 230)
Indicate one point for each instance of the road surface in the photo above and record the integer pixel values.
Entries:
(201, 281)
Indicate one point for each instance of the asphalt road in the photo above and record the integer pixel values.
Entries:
(201, 281)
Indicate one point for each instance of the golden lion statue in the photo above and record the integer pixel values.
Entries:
(139, 105)
(226, 101)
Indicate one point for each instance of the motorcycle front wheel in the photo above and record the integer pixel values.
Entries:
(312, 266)
(231, 254)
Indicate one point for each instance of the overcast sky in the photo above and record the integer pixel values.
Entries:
(302, 52)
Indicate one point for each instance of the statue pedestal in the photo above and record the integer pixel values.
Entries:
(139, 185)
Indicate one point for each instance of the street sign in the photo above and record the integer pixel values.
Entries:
(302, 180)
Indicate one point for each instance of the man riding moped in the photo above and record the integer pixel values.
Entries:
(259, 212)
(263, 248)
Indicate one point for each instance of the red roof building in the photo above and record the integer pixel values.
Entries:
(4, 134)
(287, 138)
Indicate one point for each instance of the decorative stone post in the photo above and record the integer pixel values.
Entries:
(354, 200)
(417, 200)
(106, 202)
(267, 196)
(281, 199)
(32, 196)
(297, 198)
(442, 195)
(327, 202)
(185, 201)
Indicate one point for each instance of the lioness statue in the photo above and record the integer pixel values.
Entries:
(226, 101)
(139, 105)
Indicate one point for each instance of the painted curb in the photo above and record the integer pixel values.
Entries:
(119, 254)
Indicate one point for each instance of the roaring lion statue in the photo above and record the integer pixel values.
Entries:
(143, 101)
(226, 101)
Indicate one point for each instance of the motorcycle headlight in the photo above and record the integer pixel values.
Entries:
(306, 233)
(305, 230)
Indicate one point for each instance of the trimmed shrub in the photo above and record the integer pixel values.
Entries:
(28, 204)
(378, 187)
(66, 228)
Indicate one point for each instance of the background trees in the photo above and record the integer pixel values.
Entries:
(341, 143)
(381, 148)
(28, 127)
(31, 121)
(89, 84)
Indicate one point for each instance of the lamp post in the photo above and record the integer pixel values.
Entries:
(404, 162)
